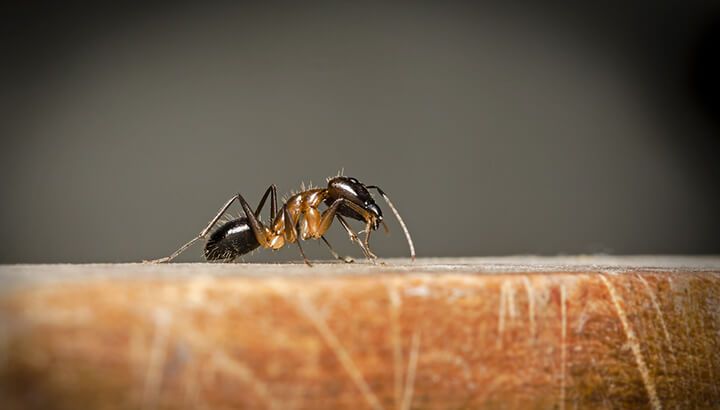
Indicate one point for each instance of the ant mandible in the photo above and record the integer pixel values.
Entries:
(298, 219)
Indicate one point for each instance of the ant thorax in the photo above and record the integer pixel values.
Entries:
(302, 201)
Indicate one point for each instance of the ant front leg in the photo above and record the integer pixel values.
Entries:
(368, 230)
(354, 238)
(331, 213)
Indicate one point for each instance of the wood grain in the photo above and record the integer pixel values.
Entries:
(521, 332)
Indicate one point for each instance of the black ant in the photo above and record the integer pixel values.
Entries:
(298, 219)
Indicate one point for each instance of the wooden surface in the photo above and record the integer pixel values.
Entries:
(515, 333)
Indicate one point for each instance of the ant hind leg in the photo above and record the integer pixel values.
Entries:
(201, 235)
(271, 191)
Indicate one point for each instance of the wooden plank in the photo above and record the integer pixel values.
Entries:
(521, 332)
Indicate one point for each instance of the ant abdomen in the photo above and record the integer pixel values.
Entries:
(232, 239)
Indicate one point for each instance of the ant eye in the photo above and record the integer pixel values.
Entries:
(353, 180)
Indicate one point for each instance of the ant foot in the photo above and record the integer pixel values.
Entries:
(160, 260)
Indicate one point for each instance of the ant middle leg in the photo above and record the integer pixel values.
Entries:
(292, 233)
(345, 259)
(272, 191)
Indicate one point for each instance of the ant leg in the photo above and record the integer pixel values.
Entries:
(255, 224)
(291, 232)
(272, 190)
(367, 239)
(345, 259)
(201, 235)
(354, 238)
(329, 214)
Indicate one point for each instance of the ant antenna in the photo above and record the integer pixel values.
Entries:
(397, 215)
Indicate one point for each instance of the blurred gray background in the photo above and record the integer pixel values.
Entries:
(496, 129)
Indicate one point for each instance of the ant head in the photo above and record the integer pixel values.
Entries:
(354, 191)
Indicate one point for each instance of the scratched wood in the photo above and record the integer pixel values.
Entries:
(510, 333)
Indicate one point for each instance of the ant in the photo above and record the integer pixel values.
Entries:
(298, 219)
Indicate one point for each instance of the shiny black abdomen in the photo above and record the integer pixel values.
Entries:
(232, 239)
